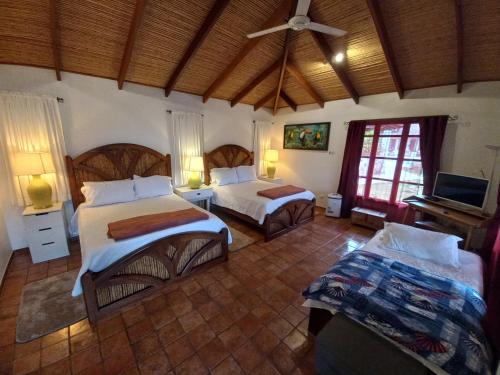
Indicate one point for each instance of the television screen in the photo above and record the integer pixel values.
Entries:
(466, 190)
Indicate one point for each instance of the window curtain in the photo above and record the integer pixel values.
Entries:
(261, 143)
(432, 131)
(32, 123)
(186, 131)
(348, 184)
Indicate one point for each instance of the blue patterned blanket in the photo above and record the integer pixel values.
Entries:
(437, 318)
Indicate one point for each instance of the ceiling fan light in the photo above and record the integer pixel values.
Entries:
(339, 57)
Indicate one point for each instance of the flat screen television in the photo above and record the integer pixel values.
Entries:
(469, 191)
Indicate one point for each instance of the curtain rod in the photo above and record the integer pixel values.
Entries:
(60, 100)
(272, 122)
(170, 111)
(450, 118)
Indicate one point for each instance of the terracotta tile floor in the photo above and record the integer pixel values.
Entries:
(242, 317)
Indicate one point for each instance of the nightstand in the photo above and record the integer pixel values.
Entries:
(203, 194)
(46, 232)
(275, 180)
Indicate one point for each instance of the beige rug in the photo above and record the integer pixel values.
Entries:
(47, 305)
(240, 239)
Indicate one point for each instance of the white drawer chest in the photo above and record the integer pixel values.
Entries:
(46, 232)
(203, 194)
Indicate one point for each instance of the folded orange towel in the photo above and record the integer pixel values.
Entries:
(280, 191)
(137, 226)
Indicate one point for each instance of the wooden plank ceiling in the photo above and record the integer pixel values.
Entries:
(391, 45)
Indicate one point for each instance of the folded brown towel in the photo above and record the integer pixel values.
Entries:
(137, 226)
(280, 191)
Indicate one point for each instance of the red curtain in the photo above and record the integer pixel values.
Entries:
(348, 185)
(490, 253)
(432, 131)
(492, 320)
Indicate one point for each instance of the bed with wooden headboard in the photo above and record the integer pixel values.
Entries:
(151, 267)
(284, 219)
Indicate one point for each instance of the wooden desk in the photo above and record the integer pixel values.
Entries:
(463, 218)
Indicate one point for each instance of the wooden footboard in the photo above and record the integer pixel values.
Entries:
(288, 217)
(151, 268)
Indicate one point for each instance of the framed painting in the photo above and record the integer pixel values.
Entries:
(314, 136)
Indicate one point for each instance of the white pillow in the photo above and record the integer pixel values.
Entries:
(246, 173)
(152, 186)
(440, 248)
(224, 176)
(99, 193)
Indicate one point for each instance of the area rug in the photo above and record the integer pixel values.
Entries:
(47, 306)
(240, 239)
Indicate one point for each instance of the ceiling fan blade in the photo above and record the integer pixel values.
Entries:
(268, 31)
(326, 29)
(302, 7)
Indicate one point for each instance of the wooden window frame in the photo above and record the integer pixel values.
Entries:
(400, 159)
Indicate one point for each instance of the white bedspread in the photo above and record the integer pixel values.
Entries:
(243, 198)
(99, 251)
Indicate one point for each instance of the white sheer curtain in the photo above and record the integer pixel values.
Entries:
(186, 134)
(32, 123)
(261, 143)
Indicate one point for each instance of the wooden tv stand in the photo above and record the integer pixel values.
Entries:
(468, 219)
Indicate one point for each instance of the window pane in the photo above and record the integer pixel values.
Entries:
(367, 146)
(391, 129)
(407, 190)
(363, 166)
(381, 189)
(412, 148)
(412, 172)
(414, 129)
(361, 186)
(388, 147)
(370, 129)
(384, 168)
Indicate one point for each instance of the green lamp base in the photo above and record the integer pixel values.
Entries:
(40, 193)
(194, 181)
(271, 170)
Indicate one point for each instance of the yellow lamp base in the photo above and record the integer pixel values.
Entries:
(40, 193)
(194, 181)
(271, 170)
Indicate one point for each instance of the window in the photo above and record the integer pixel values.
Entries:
(390, 167)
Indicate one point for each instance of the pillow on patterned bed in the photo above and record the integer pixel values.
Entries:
(440, 248)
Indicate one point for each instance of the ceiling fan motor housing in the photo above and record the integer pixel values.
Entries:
(299, 22)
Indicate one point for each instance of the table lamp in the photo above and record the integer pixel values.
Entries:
(36, 164)
(195, 167)
(271, 156)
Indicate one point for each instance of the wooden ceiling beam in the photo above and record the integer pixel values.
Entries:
(196, 43)
(386, 45)
(284, 59)
(288, 101)
(261, 77)
(54, 35)
(460, 44)
(132, 34)
(264, 100)
(339, 70)
(276, 18)
(295, 72)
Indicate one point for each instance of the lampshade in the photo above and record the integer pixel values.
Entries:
(28, 164)
(196, 164)
(271, 155)
(48, 163)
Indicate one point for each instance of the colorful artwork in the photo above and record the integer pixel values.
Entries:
(307, 136)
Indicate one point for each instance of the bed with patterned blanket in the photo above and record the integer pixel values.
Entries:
(436, 319)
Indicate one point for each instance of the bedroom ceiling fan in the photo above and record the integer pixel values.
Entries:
(300, 21)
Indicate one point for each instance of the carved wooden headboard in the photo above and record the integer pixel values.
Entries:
(226, 156)
(114, 162)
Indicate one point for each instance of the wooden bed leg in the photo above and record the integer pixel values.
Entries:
(90, 297)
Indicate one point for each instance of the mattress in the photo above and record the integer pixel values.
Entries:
(243, 198)
(99, 251)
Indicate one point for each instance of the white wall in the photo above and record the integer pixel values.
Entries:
(478, 124)
(95, 113)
